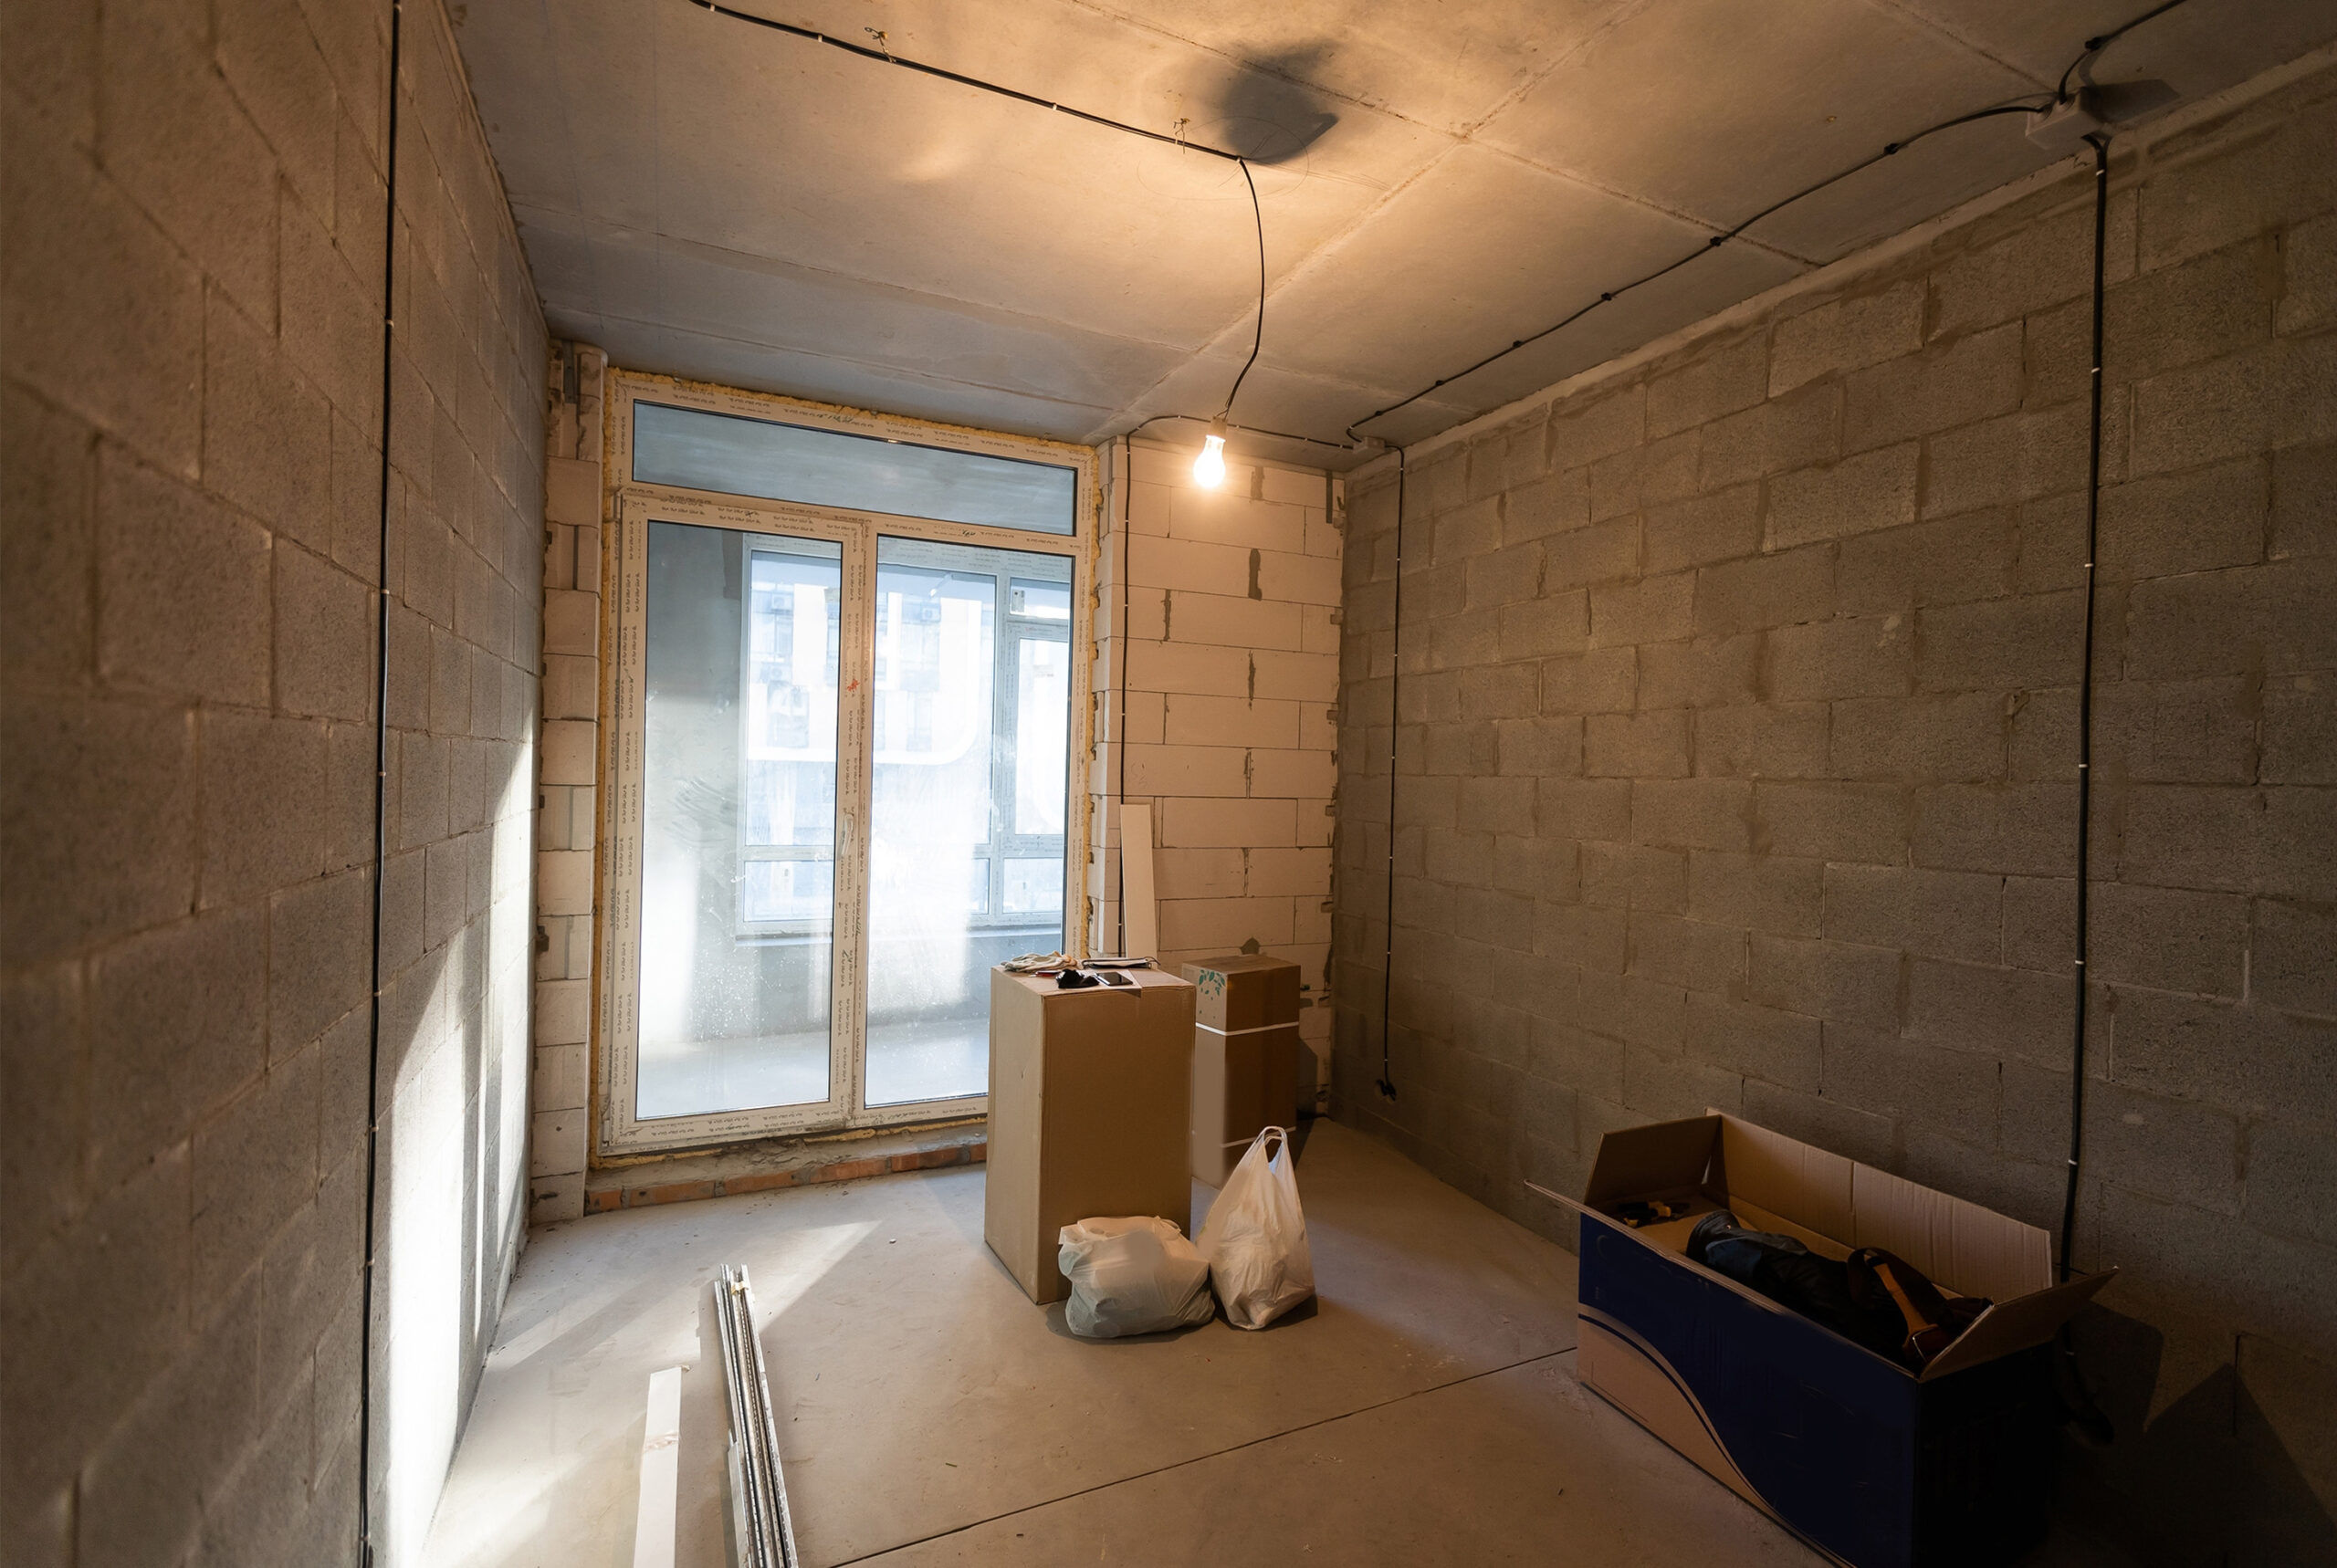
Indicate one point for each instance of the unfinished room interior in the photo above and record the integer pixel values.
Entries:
(915, 782)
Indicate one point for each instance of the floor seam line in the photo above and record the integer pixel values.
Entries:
(1199, 1459)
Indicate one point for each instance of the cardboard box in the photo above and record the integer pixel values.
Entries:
(1245, 1056)
(1873, 1464)
(1087, 1114)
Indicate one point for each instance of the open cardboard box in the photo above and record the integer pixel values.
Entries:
(1874, 1464)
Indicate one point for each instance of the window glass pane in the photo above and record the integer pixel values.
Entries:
(1040, 600)
(790, 892)
(738, 781)
(1042, 733)
(739, 456)
(965, 688)
(794, 619)
(935, 633)
(1034, 886)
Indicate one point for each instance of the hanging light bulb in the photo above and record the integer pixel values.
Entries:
(1209, 468)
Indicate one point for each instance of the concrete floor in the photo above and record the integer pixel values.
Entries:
(1424, 1412)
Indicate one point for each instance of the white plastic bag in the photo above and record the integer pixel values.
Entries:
(1131, 1276)
(1255, 1237)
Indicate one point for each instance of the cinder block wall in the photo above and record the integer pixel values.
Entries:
(196, 213)
(1226, 646)
(1735, 767)
(568, 771)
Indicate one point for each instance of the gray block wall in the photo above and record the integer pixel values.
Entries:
(191, 356)
(1735, 752)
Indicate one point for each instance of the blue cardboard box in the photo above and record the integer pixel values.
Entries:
(1870, 1462)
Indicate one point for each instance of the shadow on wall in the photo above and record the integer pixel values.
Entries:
(2240, 1468)
(1270, 116)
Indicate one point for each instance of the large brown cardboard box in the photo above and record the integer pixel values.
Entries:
(1245, 1056)
(1087, 1114)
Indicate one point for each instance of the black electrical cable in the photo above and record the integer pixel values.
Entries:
(887, 56)
(2085, 705)
(1244, 429)
(884, 56)
(1154, 419)
(1891, 150)
(2076, 1398)
(2094, 45)
(1395, 727)
(380, 808)
(1258, 214)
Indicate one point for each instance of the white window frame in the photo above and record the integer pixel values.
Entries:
(617, 1129)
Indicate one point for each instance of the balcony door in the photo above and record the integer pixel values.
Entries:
(842, 782)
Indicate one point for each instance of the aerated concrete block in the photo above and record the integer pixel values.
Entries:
(182, 589)
(1603, 552)
(1692, 813)
(1953, 1092)
(1692, 954)
(2268, 617)
(1652, 609)
(1942, 562)
(1708, 672)
(1717, 382)
(1552, 505)
(1854, 496)
(1779, 740)
(1765, 592)
(1835, 980)
(1947, 738)
(1584, 430)
(1947, 384)
(1844, 334)
(1637, 745)
(1762, 1044)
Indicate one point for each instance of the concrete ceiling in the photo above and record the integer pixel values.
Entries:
(711, 199)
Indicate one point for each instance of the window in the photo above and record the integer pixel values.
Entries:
(842, 774)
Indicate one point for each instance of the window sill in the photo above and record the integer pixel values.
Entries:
(772, 1163)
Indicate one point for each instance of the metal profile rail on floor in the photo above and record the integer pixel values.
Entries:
(762, 1535)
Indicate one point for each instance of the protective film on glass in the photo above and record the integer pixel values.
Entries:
(738, 808)
(740, 456)
(971, 768)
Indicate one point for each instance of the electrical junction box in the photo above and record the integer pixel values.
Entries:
(2064, 126)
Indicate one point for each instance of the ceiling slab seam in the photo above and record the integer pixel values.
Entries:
(1939, 29)
(2140, 139)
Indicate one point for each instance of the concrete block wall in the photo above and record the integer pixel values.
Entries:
(1227, 650)
(568, 777)
(196, 204)
(1735, 766)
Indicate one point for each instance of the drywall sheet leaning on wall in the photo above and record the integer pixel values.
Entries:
(1136, 881)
